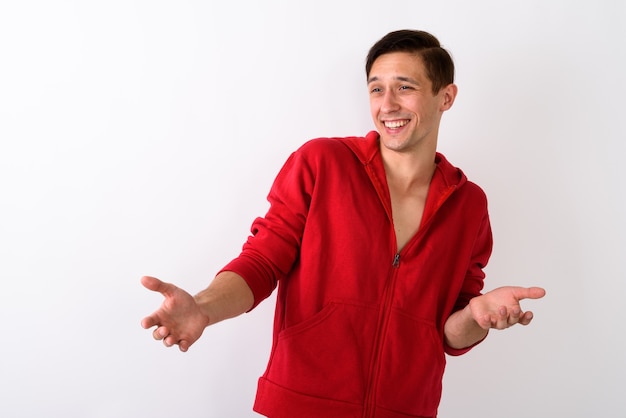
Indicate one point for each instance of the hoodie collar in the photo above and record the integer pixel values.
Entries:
(367, 149)
(446, 178)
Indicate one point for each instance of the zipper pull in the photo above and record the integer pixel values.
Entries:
(396, 260)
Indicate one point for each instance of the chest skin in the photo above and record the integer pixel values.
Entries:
(407, 209)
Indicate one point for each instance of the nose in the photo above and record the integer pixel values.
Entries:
(389, 102)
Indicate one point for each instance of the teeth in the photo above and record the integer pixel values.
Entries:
(396, 123)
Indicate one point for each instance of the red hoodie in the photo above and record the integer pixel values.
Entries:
(358, 329)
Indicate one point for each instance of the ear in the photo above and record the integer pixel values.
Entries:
(448, 94)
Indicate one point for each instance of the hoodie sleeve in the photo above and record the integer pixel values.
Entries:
(474, 278)
(273, 246)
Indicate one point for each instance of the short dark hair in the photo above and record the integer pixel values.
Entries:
(437, 61)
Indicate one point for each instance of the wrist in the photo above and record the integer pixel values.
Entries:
(462, 330)
(204, 304)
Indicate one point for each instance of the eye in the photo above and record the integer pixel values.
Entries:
(376, 90)
(406, 87)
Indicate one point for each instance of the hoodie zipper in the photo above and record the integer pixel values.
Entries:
(396, 260)
(381, 330)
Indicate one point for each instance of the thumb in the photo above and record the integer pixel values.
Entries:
(156, 285)
(530, 292)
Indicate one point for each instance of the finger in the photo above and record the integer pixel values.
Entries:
(485, 321)
(514, 316)
(149, 322)
(526, 318)
(183, 345)
(500, 319)
(170, 340)
(160, 333)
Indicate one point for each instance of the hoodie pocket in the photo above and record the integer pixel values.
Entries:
(327, 355)
(411, 367)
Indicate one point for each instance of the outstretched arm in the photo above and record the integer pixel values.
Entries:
(499, 309)
(182, 318)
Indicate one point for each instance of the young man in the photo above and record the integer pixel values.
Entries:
(377, 245)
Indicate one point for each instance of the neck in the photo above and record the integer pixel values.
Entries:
(408, 170)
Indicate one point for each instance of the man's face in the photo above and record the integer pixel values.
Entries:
(403, 107)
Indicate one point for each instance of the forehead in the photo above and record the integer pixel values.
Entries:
(398, 64)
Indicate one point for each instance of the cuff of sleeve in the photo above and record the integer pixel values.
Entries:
(460, 351)
(257, 279)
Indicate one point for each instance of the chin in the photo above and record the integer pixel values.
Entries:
(394, 145)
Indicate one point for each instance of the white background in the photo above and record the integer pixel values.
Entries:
(141, 137)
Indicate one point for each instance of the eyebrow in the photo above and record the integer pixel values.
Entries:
(398, 78)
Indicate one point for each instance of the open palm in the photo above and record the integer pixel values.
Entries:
(500, 308)
(179, 320)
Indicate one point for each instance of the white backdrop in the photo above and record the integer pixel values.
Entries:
(141, 137)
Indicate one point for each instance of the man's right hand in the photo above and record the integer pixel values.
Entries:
(179, 319)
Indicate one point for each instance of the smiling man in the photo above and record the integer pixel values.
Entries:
(377, 245)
